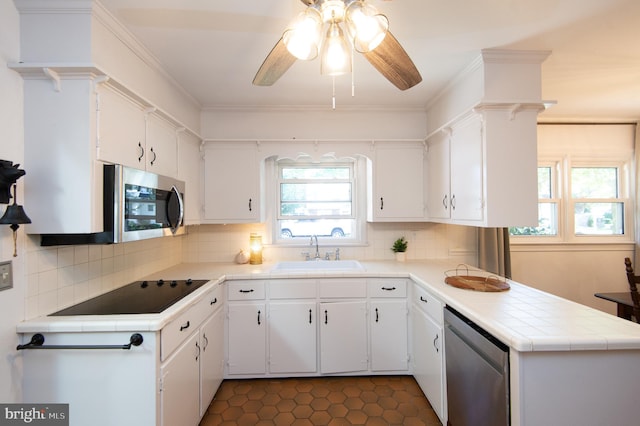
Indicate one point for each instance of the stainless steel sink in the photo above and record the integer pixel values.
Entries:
(318, 265)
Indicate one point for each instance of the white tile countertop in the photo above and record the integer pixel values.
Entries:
(524, 318)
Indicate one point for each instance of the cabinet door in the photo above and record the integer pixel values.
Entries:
(438, 177)
(398, 183)
(189, 169)
(212, 358)
(343, 337)
(120, 128)
(232, 184)
(389, 340)
(427, 358)
(292, 337)
(466, 170)
(161, 146)
(180, 396)
(247, 338)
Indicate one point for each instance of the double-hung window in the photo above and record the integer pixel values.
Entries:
(581, 200)
(316, 199)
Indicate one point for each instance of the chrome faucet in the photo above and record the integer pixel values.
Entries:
(317, 255)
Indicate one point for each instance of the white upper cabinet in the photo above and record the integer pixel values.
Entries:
(190, 171)
(232, 183)
(482, 169)
(454, 172)
(135, 136)
(395, 180)
(161, 146)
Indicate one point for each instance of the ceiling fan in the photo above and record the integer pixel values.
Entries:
(318, 31)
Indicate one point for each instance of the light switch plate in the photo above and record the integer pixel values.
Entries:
(6, 277)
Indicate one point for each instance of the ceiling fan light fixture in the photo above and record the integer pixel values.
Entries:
(366, 26)
(332, 10)
(302, 37)
(335, 58)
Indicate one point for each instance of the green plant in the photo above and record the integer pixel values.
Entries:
(399, 245)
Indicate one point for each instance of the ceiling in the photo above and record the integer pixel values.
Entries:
(213, 48)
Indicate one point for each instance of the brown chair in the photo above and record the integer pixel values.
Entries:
(633, 280)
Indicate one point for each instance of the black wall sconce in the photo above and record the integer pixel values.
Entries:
(14, 215)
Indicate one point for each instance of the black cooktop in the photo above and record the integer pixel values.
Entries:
(140, 297)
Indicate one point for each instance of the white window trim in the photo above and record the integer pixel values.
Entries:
(563, 167)
(358, 199)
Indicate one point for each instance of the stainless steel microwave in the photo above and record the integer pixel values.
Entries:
(137, 205)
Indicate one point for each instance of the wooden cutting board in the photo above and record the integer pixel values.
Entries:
(477, 283)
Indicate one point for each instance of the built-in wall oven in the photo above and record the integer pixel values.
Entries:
(137, 205)
(477, 366)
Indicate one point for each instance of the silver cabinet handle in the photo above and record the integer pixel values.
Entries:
(453, 202)
(435, 343)
(445, 202)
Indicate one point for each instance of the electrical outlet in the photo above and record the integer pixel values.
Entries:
(6, 277)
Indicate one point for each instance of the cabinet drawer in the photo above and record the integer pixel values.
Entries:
(343, 288)
(387, 288)
(428, 303)
(246, 290)
(174, 333)
(292, 289)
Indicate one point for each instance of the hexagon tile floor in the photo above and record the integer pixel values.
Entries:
(371, 400)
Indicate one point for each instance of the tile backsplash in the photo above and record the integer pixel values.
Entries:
(61, 276)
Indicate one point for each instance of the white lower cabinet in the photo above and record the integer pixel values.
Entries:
(389, 339)
(193, 366)
(211, 358)
(180, 397)
(343, 337)
(292, 337)
(428, 349)
(247, 338)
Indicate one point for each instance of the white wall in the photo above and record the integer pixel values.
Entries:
(221, 243)
(570, 269)
(11, 149)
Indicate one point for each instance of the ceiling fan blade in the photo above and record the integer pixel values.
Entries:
(277, 62)
(391, 60)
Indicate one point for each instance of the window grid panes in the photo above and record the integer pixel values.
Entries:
(316, 200)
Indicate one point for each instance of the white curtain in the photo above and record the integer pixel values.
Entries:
(494, 254)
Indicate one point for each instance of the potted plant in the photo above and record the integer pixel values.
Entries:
(399, 248)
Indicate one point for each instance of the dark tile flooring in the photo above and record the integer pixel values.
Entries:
(371, 400)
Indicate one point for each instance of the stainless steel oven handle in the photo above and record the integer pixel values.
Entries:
(174, 227)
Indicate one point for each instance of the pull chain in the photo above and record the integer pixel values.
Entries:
(333, 79)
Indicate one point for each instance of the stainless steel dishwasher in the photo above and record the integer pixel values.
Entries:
(477, 366)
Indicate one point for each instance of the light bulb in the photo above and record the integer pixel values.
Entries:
(367, 28)
(302, 36)
(335, 58)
